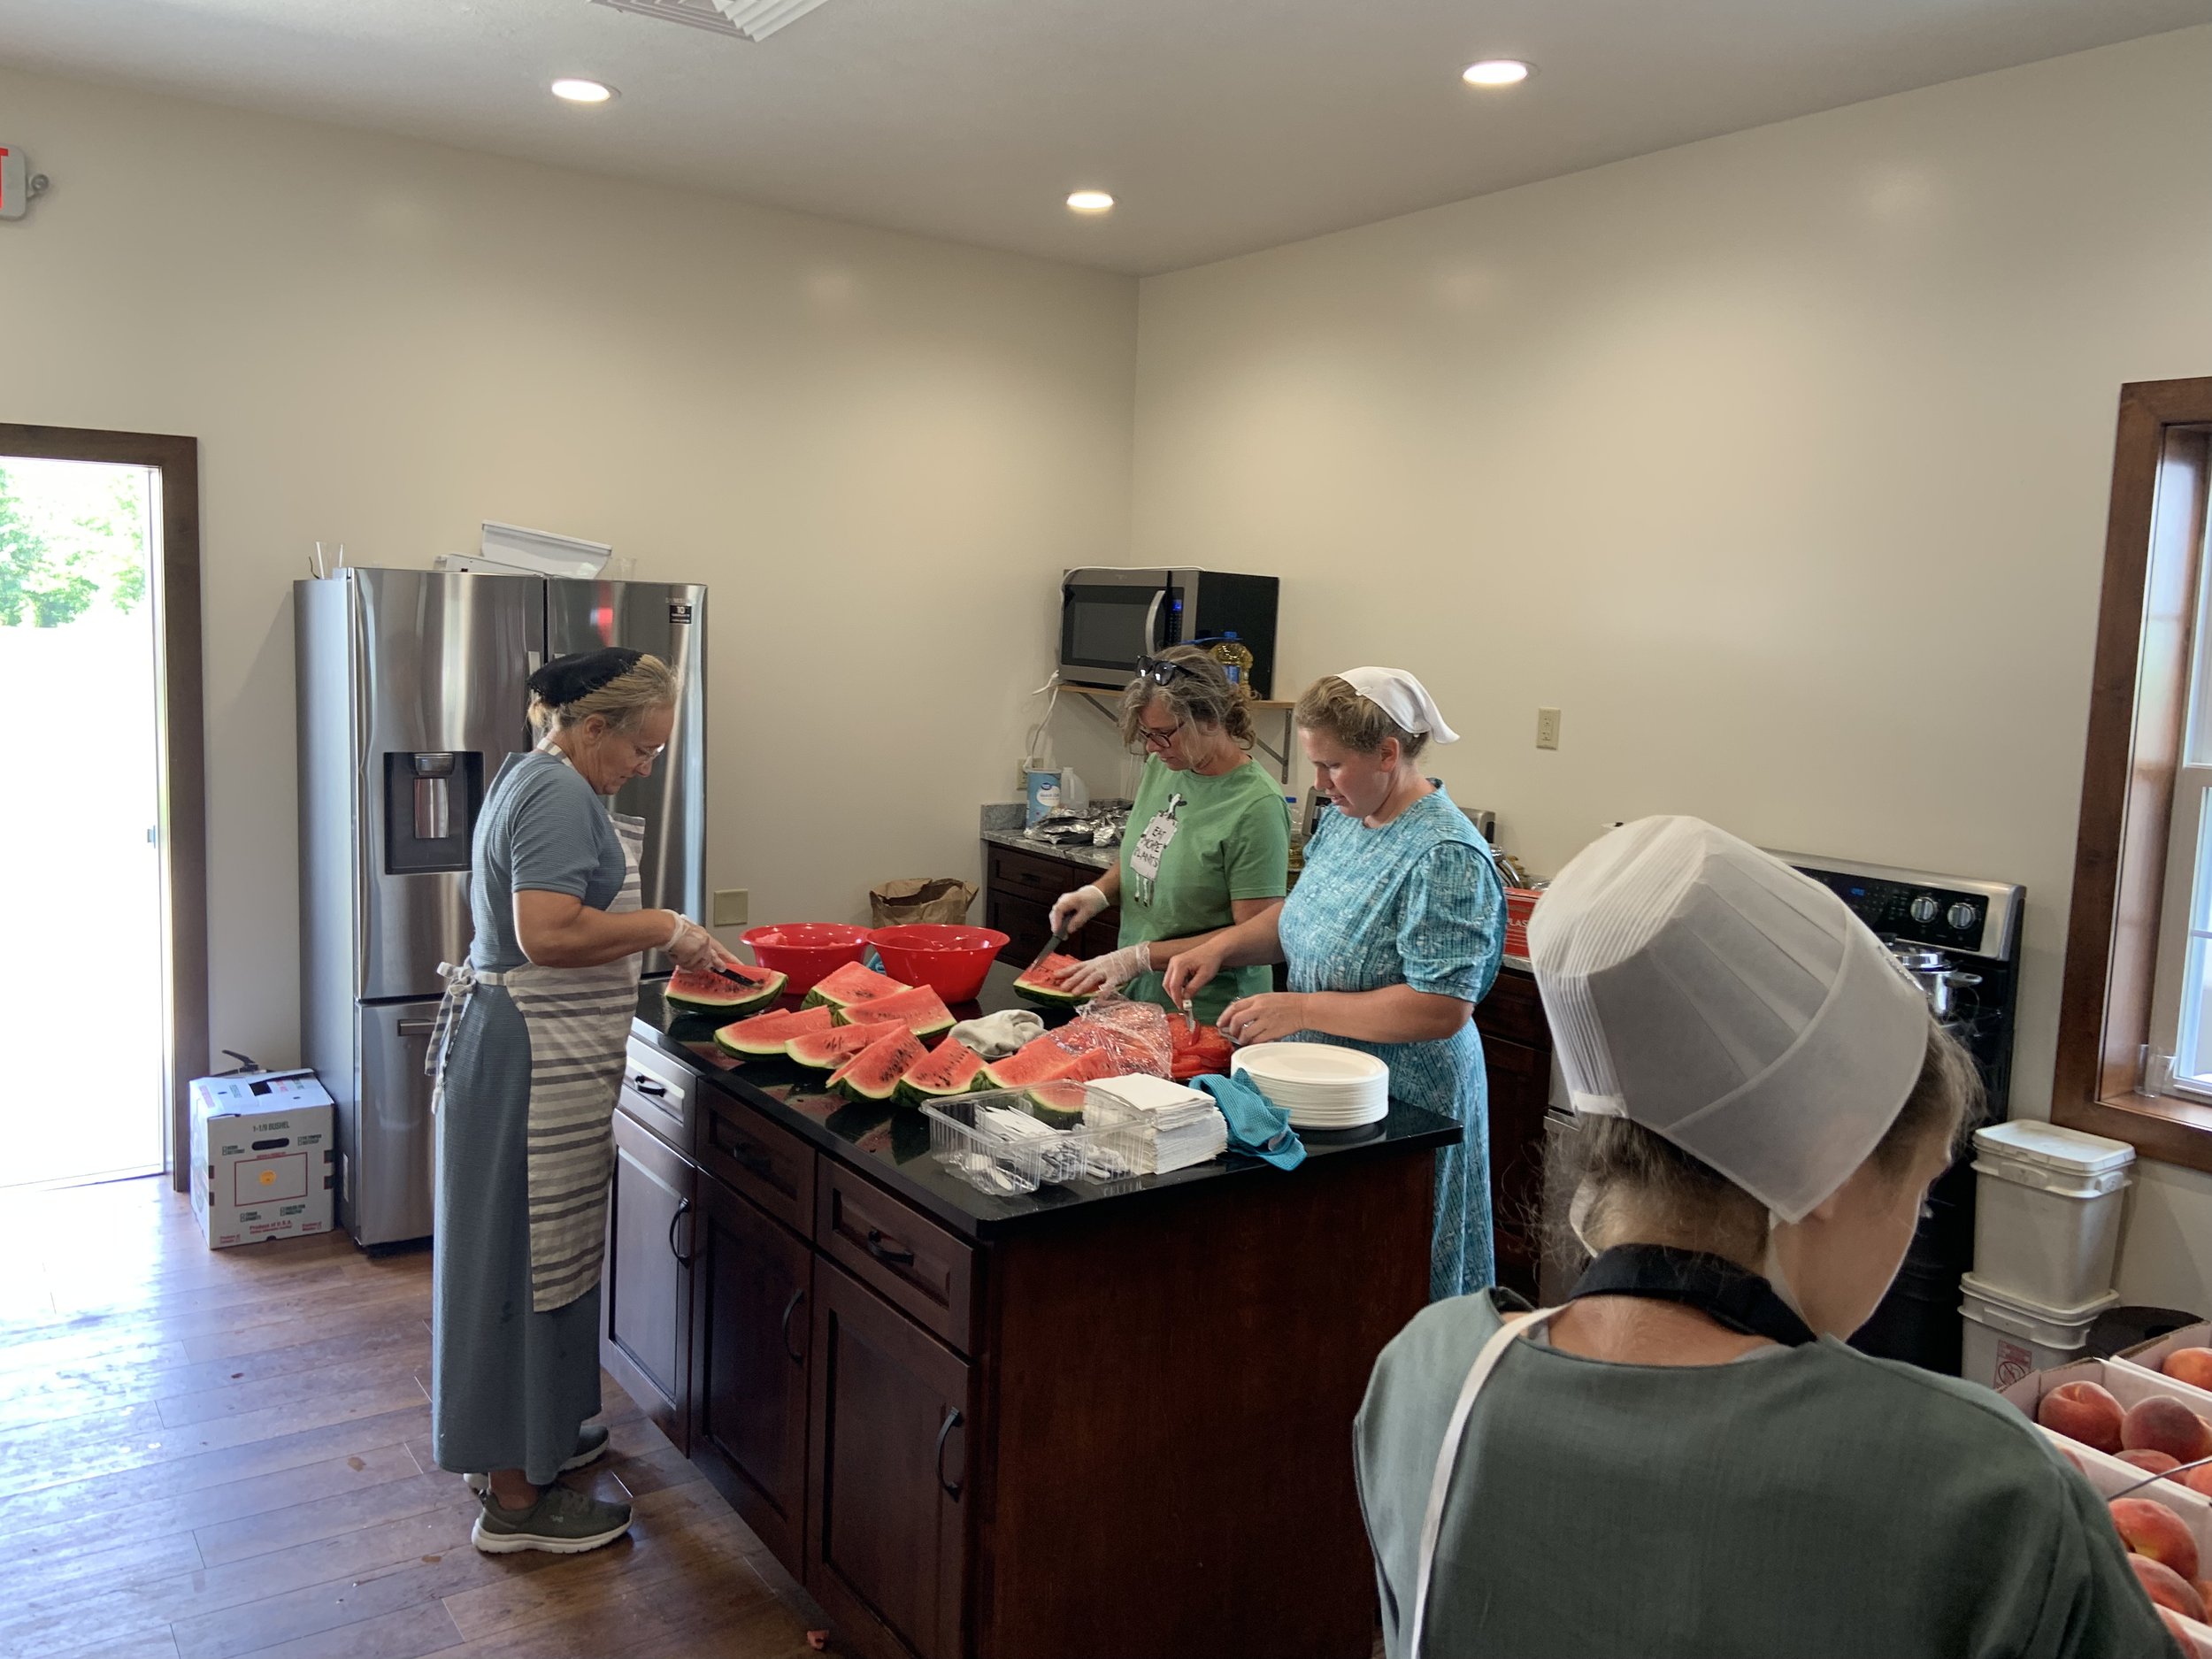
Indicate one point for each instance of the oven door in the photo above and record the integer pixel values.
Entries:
(1109, 618)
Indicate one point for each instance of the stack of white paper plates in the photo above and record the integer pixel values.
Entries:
(1321, 1085)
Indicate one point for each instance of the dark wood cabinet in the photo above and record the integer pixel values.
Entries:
(888, 1512)
(1516, 1053)
(751, 1338)
(645, 1336)
(1018, 891)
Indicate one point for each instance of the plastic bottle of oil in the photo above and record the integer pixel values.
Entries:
(1236, 662)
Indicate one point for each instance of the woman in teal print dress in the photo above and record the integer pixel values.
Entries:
(1392, 935)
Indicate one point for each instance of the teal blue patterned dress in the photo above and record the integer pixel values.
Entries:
(1416, 902)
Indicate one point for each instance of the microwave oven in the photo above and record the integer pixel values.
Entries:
(1111, 618)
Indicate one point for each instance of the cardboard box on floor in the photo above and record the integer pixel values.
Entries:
(262, 1157)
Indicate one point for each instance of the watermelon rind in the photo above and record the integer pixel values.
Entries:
(1059, 1104)
(825, 1051)
(767, 1034)
(951, 1068)
(851, 983)
(921, 1011)
(872, 1075)
(1041, 988)
(711, 993)
(1039, 1061)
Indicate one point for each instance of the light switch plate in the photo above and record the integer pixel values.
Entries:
(730, 906)
(1548, 728)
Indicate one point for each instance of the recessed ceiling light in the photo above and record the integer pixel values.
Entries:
(1495, 72)
(577, 90)
(1091, 202)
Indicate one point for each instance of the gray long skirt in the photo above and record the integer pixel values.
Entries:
(509, 1388)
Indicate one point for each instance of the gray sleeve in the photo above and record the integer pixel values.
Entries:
(2091, 1606)
(552, 839)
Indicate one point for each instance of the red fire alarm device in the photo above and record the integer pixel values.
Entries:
(18, 183)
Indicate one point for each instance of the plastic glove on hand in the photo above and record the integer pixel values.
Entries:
(1110, 972)
(696, 949)
(1071, 911)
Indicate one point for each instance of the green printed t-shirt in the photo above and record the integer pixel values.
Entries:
(1194, 844)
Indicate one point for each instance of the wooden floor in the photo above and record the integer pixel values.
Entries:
(206, 1455)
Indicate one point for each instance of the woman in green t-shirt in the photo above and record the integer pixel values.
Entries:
(1208, 844)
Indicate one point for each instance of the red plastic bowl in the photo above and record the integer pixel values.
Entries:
(808, 952)
(952, 960)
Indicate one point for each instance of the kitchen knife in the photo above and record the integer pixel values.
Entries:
(1051, 945)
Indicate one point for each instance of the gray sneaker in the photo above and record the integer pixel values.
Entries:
(591, 1445)
(563, 1521)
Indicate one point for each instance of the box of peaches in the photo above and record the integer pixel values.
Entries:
(2144, 1439)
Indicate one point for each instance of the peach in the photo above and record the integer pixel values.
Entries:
(2083, 1411)
(2190, 1365)
(2149, 1463)
(2158, 1423)
(2203, 1587)
(2167, 1587)
(2149, 1528)
(2197, 1479)
(2194, 1641)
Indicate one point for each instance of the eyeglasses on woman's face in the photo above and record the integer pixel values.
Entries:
(1158, 736)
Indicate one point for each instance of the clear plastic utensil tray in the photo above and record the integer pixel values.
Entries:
(964, 1138)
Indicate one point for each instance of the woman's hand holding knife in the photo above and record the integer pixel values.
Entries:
(691, 946)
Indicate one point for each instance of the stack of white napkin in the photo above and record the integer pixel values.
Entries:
(1178, 1126)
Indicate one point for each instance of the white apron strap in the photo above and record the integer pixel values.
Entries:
(1454, 1430)
(460, 981)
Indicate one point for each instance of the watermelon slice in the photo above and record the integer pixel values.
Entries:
(1059, 1104)
(825, 1050)
(711, 993)
(874, 1074)
(1041, 988)
(921, 1011)
(1096, 1064)
(949, 1069)
(766, 1033)
(1038, 1061)
(851, 984)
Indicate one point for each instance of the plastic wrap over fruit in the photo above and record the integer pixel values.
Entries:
(1200, 1051)
(1134, 1036)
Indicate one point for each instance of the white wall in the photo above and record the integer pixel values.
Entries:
(1777, 461)
(878, 450)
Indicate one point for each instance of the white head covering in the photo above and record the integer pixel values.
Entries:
(1708, 992)
(1403, 698)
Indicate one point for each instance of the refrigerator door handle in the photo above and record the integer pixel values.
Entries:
(362, 675)
(417, 1027)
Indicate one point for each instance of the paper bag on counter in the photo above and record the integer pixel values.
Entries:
(924, 899)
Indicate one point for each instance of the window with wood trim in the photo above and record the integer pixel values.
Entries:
(2135, 1029)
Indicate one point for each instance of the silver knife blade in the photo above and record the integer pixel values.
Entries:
(1051, 945)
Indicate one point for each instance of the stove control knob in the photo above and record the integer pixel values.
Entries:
(1924, 909)
(1962, 916)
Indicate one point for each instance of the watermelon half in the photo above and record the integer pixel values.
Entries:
(949, 1069)
(1041, 988)
(874, 1074)
(766, 1033)
(1038, 1061)
(921, 1011)
(710, 993)
(851, 984)
(825, 1051)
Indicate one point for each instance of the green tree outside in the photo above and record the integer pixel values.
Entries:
(55, 564)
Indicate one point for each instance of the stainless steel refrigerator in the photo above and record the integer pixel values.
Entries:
(410, 694)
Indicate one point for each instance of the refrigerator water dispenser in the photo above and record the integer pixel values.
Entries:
(430, 805)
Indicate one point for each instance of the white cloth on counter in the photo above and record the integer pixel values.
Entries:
(1178, 1126)
(994, 1036)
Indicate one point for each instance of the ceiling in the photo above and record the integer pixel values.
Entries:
(1222, 125)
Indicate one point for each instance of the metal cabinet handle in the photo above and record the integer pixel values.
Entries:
(798, 1356)
(894, 1253)
(417, 1027)
(646, 1085)
(683, 1208)
(754, 1164)
(952, 1421)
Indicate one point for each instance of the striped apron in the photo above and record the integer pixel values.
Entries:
(579, 1024)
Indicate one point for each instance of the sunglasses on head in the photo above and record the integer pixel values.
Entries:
(1160, 670)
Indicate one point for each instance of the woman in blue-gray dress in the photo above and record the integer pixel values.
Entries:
(1392, 935)
(528, 1057)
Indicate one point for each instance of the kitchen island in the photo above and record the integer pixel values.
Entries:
(1109, 1419)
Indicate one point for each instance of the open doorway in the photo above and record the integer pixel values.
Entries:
(99, 651)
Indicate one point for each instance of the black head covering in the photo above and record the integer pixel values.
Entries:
(566, 679)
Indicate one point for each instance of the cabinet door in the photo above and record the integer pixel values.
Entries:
(1025, 918)
(645, 1333)
(1520, 1088)
(887, 1509)
(754, 1281)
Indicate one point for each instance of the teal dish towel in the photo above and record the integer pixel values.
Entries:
(1257, 1126)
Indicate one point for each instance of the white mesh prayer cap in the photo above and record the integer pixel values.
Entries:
(1403, 698)
(1708, 992)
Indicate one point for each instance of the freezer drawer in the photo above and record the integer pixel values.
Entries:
(387, 1137)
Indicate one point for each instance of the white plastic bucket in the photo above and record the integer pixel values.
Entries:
(2046, 1211)
(2008, 1338)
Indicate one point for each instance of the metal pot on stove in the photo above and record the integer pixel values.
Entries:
(1933, 973)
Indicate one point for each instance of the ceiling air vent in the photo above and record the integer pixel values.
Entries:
(748, 19)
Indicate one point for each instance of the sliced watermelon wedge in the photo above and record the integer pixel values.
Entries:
(711, 993)
(921, 1011)
(950, 1068)
(1059, 1104)
(825, 1050)
(1037, 983)
(874, 1074)
(1038, 1061)
(767, 1034)
(851, 984)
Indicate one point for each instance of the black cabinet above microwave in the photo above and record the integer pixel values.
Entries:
(1111, 618)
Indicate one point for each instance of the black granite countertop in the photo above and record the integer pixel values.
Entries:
(892, 1143)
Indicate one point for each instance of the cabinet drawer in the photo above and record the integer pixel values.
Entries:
(1026, 873)
(1514, 1012)
(769, 1164)
(915, 1264)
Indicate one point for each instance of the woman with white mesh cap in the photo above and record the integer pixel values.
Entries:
(1685, 1458)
